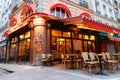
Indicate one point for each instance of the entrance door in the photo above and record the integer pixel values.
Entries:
(13, 51)
(60, 46)
(24, 51)
(89, 46)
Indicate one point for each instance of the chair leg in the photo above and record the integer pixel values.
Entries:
(90, 67)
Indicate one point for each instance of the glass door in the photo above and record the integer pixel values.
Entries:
(89, 46)
(24, 50)
(13, 51)
(60, 46)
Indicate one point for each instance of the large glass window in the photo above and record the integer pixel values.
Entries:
(66, 34)
(59, 12)
(56, 33)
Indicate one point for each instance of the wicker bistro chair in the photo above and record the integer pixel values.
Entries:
(44, 59)
(65, 60)
(93, 57)
(89, 61)
(108, 60)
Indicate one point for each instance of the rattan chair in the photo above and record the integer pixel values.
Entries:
(108, 60)
(65, 60)
(88, 61)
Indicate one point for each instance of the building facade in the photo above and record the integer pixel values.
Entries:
(4, 16)
(55, 27)
(7, 7)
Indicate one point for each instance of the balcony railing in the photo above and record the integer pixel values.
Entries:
(83, 4)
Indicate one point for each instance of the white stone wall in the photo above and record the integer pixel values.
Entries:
(76, 10)
(4, 16)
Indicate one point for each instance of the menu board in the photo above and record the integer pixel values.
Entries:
(77, 44)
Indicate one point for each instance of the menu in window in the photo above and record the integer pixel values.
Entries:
(77, 44)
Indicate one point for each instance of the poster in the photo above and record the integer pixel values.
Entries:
(77, 44)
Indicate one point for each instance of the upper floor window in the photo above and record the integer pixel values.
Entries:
(83, 2)
(104, 8)
(59, 12)
(12, 22)
(26, 12)
(116, 13)
(97, 5)
(115, 2)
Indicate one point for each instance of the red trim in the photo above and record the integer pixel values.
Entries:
(26, 8)
(100, 26)
(85, 14)
(12, 20)
(114, 39)
(61, 6)
(23, 23)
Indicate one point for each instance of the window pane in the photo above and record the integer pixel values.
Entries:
(80, 36)
(85, 37)
(21, 36)
(27, 34)
(92, 37)
(58, 12)
(85, 46)
(56, 33)
(66, 34)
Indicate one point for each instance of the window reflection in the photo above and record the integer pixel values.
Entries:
(86, 37)
(66, 34)
(56, 33)
(92, 37)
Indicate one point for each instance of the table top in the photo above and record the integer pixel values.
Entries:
(115, 54)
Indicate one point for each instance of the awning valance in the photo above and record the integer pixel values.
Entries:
(89, 23)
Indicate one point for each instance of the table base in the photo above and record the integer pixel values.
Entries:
(102, 73)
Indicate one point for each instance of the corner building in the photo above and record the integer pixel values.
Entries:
(55, 27)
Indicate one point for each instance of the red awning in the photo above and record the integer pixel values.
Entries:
(89, 23)
(98, 25)
(114, 39)
(85, 22)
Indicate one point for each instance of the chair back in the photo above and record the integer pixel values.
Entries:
(65, 56)
(92, 56)
(85, 56)
(43, 56)
(108, 56)
(104, 55)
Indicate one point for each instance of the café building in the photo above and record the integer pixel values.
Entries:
(31, 34)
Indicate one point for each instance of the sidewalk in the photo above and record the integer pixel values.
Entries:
(26, 72)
